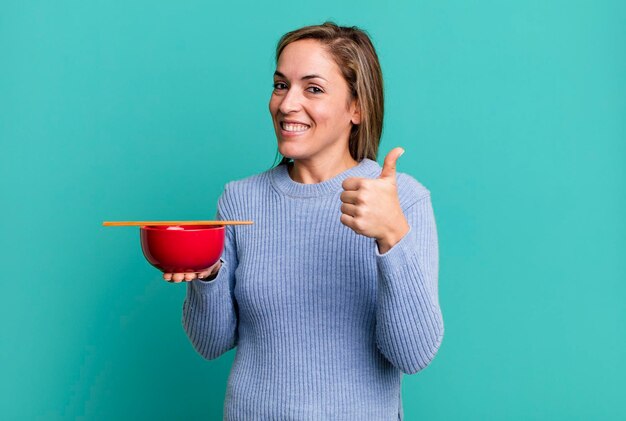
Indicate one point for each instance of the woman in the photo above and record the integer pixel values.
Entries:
(332, 294)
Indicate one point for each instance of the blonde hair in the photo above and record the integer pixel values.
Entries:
(354, 53)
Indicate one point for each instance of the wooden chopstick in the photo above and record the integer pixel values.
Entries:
(143, 223)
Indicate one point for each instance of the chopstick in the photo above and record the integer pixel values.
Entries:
(142, 223)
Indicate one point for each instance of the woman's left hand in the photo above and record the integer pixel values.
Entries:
(371, 207)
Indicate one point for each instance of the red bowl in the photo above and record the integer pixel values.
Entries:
(185, 248)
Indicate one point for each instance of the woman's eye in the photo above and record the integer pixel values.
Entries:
(281, 85)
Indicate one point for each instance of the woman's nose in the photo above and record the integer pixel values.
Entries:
(290, 102)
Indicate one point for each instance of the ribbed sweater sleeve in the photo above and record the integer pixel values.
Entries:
(409, 323)
(209, 309)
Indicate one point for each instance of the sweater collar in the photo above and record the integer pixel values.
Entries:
(283, 182)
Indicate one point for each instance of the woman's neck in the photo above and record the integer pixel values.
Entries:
(312, 172)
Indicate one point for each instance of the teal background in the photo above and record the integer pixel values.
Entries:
(511, 113)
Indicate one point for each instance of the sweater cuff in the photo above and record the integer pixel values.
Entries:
(204, 287)
(399, 255)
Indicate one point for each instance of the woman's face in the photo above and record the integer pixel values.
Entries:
(309, 103)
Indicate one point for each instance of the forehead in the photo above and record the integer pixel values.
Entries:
(307, 56)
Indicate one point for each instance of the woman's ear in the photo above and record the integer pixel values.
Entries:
(356, 113)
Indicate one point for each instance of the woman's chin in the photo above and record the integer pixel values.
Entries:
(287, 151)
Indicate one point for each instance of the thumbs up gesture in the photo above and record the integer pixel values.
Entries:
(371, 207)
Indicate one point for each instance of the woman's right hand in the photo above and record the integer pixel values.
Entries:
(190, 276)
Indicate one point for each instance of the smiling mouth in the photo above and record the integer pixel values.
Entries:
(293, 127)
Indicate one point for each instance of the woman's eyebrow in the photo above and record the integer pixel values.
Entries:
(279, 74)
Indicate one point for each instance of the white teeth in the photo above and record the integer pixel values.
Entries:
(294, 127)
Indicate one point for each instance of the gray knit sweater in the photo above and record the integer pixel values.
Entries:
(323, 324)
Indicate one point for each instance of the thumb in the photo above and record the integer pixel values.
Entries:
(389, 166)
